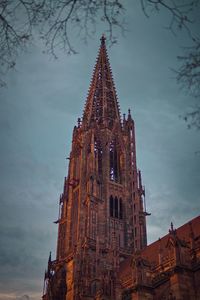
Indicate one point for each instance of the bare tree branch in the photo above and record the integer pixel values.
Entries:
(66, 17)
(58, 21)
(180, 12)
(17, 19)
(192, 118)
(188, 75)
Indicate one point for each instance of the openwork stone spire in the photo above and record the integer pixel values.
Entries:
(101, 105)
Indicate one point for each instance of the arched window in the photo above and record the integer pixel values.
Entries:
(116, 207)
(120, 209)
(111, 206)
(98, 154)
(95, 287)
(114, 162)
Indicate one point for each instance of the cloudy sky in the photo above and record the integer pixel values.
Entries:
(40, 106)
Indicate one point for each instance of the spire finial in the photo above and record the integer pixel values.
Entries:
(50, 257)
(79, 122)
(103, 39)
(129, 114)
(172, 226)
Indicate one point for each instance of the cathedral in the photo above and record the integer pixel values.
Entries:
(102, 250)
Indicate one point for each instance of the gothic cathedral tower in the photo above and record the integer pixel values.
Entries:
(102, 215)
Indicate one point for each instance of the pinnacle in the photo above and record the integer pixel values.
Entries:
(103, 39)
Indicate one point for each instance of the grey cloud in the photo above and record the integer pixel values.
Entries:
(38, 112)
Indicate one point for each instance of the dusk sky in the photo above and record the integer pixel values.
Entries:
(39, 107)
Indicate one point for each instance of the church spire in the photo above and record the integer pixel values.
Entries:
(102, 219)
(101, 105)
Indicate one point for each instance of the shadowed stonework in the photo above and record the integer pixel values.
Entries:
(168, 269)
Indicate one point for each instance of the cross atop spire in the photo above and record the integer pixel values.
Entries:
(103, 39)
(101, 105)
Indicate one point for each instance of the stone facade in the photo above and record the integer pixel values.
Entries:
(168, 269)
(102, 215)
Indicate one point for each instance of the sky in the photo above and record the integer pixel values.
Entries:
(39, 107)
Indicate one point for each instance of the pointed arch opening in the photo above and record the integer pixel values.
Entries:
(115, 172)
(116, 208)
(111, 206)
(120, 209)
(98, 155)
(95, 287)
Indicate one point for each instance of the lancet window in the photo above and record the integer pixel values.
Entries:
(116, 208)
(114, 162)
(120, 209)
(111, 206)
(95, 286)
(98, 155)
